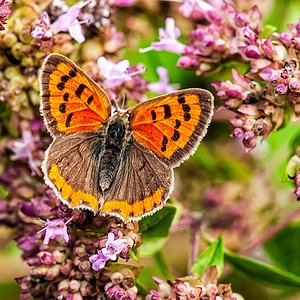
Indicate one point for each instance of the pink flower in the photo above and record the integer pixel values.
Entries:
(120, 3)
(69, 22)
(112, 248)
(98, 260)
(163, 86)
(24, 149)
(42, 29)
(54, 229)
(198, 9)
(270, 75)
(167, 39)
(4, 12)
(116, 74)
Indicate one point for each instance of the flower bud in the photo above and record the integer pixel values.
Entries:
(52, 272)
(79, 251)
(39, 271)
(59, 255)
(180, 287)
(117, 278)
(63, 285)
(46, 258)
(84, 267)
(66, 267)
(8, 40)
(74, 286)
(85, 289)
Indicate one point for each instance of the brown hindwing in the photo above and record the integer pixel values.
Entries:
(142, 185)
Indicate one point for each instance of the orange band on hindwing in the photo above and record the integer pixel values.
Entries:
(74, 197)
(136, 209)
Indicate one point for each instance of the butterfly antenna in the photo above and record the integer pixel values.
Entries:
(116, 104)
(124, 101)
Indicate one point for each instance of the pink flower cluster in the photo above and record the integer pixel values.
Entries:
(263, 97)
(192, 287)
(4, 12)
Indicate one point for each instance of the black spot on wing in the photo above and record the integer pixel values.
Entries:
(167, 111)
(68, 120)
(60, 86)
(64, 78)
(153, 115)
(62, 108)
(90, 99)
(176, 135)
(177, 124)
(186, 116)
(186, 107)
(66, 97)
(73, 73)
(164, 144)
(181, 99)
(80, 90)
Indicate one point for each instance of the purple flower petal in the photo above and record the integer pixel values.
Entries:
(114, 247)
(252, 52)
(167, 39)
(163, 86)
(98, 261)
(55, 228)
(284, 37)
(76, 33)
(121, 3)
(68, 22)
(281, 88)
(116, 74)
(270, 75)
(24, 148)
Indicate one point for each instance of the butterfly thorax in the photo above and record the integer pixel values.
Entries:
(115, 140)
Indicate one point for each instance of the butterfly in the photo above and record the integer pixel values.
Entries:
(118, 163)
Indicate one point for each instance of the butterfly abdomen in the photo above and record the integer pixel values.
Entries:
(111, 154)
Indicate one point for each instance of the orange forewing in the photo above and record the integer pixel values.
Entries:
(71, 101)
(173, 125)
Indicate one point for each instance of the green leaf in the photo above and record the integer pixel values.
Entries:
(283, 250)
(155, 230)
(261, 272)
(275, 159)
(151, 246)
(3, 192)
(268, 30)
(158, 224)
(135, 254)
(213, 255)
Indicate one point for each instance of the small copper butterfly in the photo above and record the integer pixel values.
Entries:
(120, 164)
